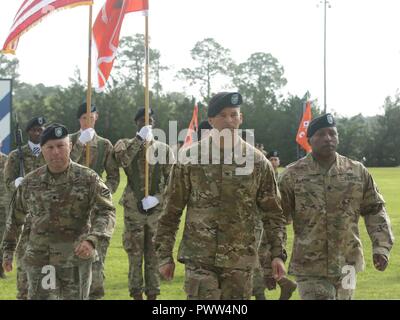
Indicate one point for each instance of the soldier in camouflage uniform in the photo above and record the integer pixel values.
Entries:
(140, 225)
(263, 277)
(70, 208)
(101, 159)
(218, 245)
(32, 160)
(4, 201)
(326, 194)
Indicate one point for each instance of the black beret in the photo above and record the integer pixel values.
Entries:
(273, 153)
(140, 113)
(222, 100)
(37, 121)
(82, 110)
(325, 121)
(53, 132)
(204, 125)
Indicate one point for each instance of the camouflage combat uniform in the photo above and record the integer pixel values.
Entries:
(12, 172)
(101, 159)
(326, 206)
(218, 246)
(61, 208)
(139, 228)
(4, 202)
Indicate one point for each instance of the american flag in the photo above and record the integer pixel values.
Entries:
(32, 12)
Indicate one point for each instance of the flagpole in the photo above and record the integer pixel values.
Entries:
(146, 99)
(89, 84)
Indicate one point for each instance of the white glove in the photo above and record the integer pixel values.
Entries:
(146, 133)
(149, 202)
(18, 181)
(87, 135)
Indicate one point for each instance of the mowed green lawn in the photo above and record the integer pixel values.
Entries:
(371, 284)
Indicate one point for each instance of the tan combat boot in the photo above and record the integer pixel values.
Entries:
(287, 288)
(138, 296)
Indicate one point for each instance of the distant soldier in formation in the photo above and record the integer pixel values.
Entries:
(32, 159)
(325, 194)
(141, 214)
(70, 209)
(101, 159)
(4, 202)
(218, 246)
(273, 157)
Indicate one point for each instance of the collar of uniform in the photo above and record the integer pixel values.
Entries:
(61, 179)
(213, 152)
(334, 170)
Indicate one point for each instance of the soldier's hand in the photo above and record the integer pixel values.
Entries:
(380, 262)
(84, 250)
(278, 269)
(167, 271)
(7, 266)
(18, 181)
(146, 133)
(87, 135)
(270, 283)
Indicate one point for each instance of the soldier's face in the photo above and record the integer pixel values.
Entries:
(229, 118)
(34, 134)
(140, 123)
(56, 153)
(92, 120)
(275, 162)
(324, 142)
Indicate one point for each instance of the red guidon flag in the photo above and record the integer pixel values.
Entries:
(106, 30)
(193, 126)
(32, 12)
(301, 137)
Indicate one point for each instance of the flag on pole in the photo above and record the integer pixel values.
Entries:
(193, 126)
(301, 137)
(32, 12)
(106, 30)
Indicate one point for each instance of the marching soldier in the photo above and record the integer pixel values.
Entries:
(141, 214)
(101, 159)
(4, 202)
(30, 159)
(326, 193)
(70, 209)
(218, 245)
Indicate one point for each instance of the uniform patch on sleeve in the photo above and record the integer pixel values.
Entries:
(105, 192)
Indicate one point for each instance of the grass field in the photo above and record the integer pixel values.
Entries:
(371, 284)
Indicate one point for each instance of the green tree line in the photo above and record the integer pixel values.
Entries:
(274, 118)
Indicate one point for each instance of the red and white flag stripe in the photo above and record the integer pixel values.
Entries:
(32, 12)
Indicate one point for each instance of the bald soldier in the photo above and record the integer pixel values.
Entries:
(70, 208)
(4, 202)
(218, 245)
(326, 194)
(32, 159)
(101, 159)
(141, 213)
